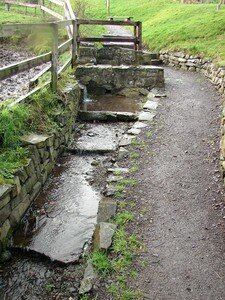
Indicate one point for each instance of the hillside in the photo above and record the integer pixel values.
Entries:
(196, 28)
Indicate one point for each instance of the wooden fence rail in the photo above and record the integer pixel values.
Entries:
(136, 39)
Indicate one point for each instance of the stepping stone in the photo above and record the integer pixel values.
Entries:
(134, 131)
(126, 140)
(139, 125)
(118, 170)
(88, 280)
(146, 116)
(151, 105)
(103, 235)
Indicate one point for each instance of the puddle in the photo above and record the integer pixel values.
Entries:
(65, 213)
(110, 102)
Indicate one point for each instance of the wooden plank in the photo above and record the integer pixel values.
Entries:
(57, 2)
(66, 45)
(107, 39)
(51, 12)
(65, 66)
(107, 22)
(120, 18)
(24, 65)
(54, 68)
(34, 81)
(70, 10)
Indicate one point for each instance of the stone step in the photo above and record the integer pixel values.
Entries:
(107, 116)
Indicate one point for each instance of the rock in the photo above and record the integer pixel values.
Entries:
(151, 105)
(139, 125)
(103, 235)
(134, 131)
(35, 139)
(5, 189)
(88, 280)
(126, 140)
(146, 116)
(118, 170)
(106, 210)
(122, 153)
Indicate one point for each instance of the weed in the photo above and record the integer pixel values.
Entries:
(134, 155)
(84, 297)
(49, 287)
(124, 217)
(101, 262)
(134, 168)
(149, 134)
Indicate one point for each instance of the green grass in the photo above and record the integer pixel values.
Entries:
(168, 24)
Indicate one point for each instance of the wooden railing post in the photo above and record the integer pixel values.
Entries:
(74, 44)
(54, 67)
(135, 36)
(140, 35)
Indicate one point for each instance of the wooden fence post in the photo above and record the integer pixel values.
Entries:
(140, 35)
(55, 51)
(135, 36)
(74, 44)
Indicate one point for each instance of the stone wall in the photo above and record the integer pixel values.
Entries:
(210, 70)
(116, 56)
(101, 79)
(44, 150)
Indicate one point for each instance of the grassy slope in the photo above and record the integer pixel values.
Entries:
(167, 24)
(17, 15)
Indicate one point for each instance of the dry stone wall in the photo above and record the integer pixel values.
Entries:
(210, 70)
(44, 150)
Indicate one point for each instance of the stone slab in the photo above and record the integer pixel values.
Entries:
(151, 105)
(69, 206)
(35, 139)
(146, 116)
(134, 131)
(139, 125)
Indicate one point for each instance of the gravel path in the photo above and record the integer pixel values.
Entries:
(16, 85)
(180, 196)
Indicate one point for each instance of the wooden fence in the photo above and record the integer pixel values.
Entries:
(136, 39)
(52, 56)
(71, 44)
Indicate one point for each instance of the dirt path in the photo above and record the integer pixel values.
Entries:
(179, 195)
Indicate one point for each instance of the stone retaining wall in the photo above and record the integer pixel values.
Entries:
(116, 56)
(44, 150)
(210, 70)
(102, 79)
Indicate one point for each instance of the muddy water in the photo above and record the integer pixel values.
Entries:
(110, 102)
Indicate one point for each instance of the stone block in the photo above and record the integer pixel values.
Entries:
(21, 172)
(103, 235)
(4, 200)
(35, 139)
(36, 189)
(19, 211)
(4, 213)
(4, 229)
(31, 181)
(15, 201)
(5, 189)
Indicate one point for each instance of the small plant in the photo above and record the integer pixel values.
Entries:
(124, 217)
(101, 262)
(49, 287)
(134, 155)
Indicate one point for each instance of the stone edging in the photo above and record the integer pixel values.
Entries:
(211, 71)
